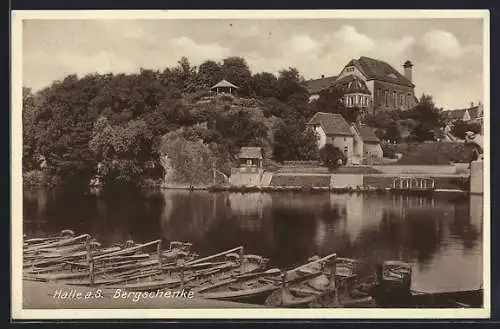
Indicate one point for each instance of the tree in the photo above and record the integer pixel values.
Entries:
(209, 73)
(122, 151)
(235, 70)
(190, 160)
(30, 160)
(392, 132)
(289, 83)
(64, 121)
(237, 128)
(293, 141)
(428, 117)
(459, 128)
(332, 157)
(265, 84)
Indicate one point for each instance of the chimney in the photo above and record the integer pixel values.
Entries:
(408, 66)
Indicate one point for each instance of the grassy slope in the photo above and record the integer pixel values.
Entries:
(436, 153)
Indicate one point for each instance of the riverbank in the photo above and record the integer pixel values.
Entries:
(43, 295)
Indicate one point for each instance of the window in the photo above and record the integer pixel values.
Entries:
(401, 99)
(346, 149)
(249, 162)
(386, 94)
(345, 139)
(395, 98)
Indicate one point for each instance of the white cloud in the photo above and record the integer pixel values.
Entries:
(348, 35)
(441, 45)
(184, 46)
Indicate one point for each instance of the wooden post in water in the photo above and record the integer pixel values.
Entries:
(91, 272)
(284, 286)
(158, 250)
(87, 248)
(242, 257)
(332, 287)
(182, 275)
(213, 174)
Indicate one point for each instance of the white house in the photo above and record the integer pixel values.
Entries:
(358, 142)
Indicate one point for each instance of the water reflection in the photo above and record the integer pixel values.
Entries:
(442, 237)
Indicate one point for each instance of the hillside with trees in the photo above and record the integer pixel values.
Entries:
(131, 128)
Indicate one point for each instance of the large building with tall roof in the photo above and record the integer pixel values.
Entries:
(370, 84)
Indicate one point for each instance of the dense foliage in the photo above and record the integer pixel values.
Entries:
(423, 122)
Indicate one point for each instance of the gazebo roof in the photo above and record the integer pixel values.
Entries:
(224, 84)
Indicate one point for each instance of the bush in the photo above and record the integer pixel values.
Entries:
(226, 98)
(35, 178)
(332, 157)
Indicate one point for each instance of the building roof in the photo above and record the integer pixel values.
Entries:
(476, 112)
(250, 153)
(367, 134)
(375, 69)
(352, 84)
(332, 123)
(314, 86)
(455, 114)
(224, 84)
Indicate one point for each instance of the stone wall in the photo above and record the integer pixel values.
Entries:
(346, 181)
(476, 177)
(411, 169)
(245, 179)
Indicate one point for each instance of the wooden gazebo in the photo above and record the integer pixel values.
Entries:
(224, 86)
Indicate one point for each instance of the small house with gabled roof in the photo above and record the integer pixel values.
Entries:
(251, 157)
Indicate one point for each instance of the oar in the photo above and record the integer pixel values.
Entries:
(127, 250)
(214, 256)
(272, 271)
(321, 260)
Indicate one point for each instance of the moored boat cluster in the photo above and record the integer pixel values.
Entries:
(232, 275)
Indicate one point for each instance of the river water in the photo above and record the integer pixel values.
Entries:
(441, 236)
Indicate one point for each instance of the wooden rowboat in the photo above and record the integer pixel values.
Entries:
(247, 288)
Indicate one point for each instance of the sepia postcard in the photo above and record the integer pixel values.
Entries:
(325, 164)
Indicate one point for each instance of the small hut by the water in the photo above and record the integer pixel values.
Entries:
(251, 157)
(224, 87)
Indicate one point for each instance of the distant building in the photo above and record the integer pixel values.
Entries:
(370, 84)
(472, 114)
(224, 87)
(358, 142)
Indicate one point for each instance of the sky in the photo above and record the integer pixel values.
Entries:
(447, 53)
